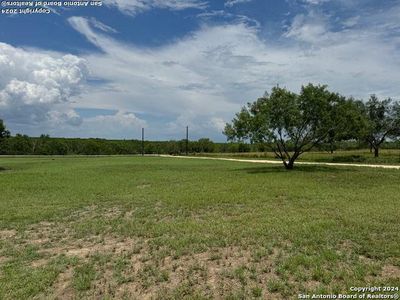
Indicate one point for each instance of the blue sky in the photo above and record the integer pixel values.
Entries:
(165, 64)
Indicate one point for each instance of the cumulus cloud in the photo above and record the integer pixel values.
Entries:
(120, 125)
(133, 7)
(39, 90)
(35, 86)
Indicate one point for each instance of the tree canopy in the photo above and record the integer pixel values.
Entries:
(382, 118)
(294, 123)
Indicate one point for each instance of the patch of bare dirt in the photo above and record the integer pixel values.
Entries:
(109, 245)
(312, 285)
(4, 259)
(214, 273)
(366, 260)
(63, 286)
(114, 212)
(39, 263)
(390, 271)
(7, 234)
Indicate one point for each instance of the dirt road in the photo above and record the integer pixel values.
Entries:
(276, 162)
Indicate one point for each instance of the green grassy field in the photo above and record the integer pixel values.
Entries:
(168, 228)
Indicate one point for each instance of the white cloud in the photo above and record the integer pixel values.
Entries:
(34, 85)
(311, 28)
(133, 7)
(350, 22)
(218, 123)
(315, 2)
(102, 26)
(230, 3)
(38, 92)
(228, 17)
(121, 125)
(64, 117)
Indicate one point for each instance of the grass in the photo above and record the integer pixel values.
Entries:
(125, 227)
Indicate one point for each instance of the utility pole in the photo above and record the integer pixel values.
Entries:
(187, 140)
(142, 141)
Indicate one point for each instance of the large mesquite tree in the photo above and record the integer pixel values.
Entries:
(382, 122)
(293, 123)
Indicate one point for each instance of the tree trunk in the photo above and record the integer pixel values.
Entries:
(376, 152)
(332, 148)
(289, 165)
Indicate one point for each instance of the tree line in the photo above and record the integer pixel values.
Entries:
(296, 123)
(46, 145)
